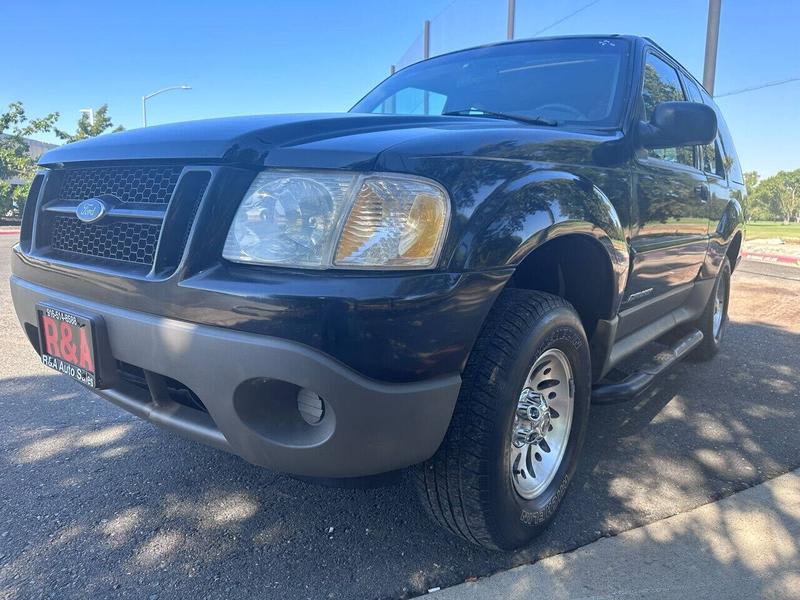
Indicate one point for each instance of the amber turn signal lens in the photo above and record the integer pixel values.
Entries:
(423, 228)
(395, 222)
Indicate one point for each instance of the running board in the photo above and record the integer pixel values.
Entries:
(636, 382)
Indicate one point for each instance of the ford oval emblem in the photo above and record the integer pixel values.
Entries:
(91, 210)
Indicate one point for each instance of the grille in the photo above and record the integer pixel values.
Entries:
(133, 242)
(147, 208)
(145, 184)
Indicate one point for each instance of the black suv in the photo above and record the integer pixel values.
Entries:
(443, 278)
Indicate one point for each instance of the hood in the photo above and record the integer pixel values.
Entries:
(323, 140)
(332, 141)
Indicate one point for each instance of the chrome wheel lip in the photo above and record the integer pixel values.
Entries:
(533, 464)
(719, 309)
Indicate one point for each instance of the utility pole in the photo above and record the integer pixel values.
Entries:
(712, 38)
(512, 9)
(426, 54)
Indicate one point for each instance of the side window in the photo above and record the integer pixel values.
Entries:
(713, 160)
(729, 156)
(693, 90)
(712, 156)
(662, 84)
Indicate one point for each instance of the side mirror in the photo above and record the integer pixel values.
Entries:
(676, 124)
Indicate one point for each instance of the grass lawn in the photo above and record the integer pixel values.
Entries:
(762, 230)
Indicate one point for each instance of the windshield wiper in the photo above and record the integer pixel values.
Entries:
(479, 112)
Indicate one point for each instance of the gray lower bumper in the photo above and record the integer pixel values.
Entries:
(249, 384)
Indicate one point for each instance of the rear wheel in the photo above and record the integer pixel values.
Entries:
(714, 319)
(516, 434)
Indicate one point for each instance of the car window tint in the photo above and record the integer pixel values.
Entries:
(711, 156)
(693, 90)
(571, 81)
(662, 84)
(729, 156)
(713, 159)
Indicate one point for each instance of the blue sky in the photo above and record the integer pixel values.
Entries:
(249, 57)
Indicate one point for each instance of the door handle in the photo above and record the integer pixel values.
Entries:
(701, 191)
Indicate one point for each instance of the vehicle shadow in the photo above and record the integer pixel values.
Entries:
(97, 503)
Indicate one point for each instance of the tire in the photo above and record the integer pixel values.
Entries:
(468, 486)
(713, 334)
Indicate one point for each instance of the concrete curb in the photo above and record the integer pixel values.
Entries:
(771, 258)
(743, 546)
(9, 231)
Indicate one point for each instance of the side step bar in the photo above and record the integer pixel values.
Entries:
(636, 382)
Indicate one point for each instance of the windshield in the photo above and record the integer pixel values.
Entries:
(574, 80)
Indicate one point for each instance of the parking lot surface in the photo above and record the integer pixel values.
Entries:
(97, 503)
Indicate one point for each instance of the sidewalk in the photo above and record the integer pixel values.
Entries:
(745, 546)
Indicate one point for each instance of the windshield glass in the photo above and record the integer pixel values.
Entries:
(574, 80)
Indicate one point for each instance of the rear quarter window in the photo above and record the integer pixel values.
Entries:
(712, 158)
(730, 157)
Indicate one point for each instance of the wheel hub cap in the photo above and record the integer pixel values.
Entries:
(542, 424)
(533, 418)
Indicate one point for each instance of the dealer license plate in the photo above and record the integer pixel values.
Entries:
(67, 343)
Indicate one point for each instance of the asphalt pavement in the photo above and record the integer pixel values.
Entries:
(743, 546)
(95, 503)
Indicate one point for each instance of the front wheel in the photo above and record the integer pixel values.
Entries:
(518, 427)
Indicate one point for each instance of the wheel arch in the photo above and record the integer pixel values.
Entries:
(526, 212)
(576, 267)
(550, 224)
(725, 239)
(733, 249)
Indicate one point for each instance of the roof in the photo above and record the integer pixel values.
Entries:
(631, 38)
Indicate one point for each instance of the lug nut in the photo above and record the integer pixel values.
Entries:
(522, 435)
(528, 412)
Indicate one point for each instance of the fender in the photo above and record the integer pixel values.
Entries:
(729, 223)
(539, 207)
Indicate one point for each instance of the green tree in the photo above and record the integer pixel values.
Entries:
(16, 162)
(778, 197)
(748, 202)
(789, 198)
(86, 128)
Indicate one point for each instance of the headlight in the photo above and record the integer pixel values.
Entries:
(288, 218)
(330, 219)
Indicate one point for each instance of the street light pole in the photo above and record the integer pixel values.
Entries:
(712, 38)
(512, 9)
(426, 40)
(156, 93)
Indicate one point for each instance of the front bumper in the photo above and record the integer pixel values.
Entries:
(248, 384)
